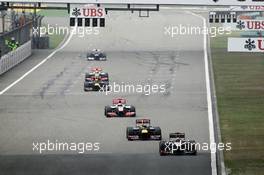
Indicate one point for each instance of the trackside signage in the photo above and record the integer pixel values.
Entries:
(256, 25)
(245, 44)
(87, 11)
(179, 2)
(247, 8)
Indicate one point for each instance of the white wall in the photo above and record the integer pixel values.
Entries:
(15, 57)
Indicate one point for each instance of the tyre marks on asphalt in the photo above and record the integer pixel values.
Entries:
(163, 67)
(51, 83)
(63, 81)
(72, 80)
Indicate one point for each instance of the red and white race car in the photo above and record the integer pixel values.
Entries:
(119, 108)
(96, 69)
(96, 73)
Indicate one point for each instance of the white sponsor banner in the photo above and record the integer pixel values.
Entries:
(246, 25)
(180, 2)
(245, 44)
(247, 8)
(87, 11)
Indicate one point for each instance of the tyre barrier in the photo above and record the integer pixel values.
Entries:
(13, 58)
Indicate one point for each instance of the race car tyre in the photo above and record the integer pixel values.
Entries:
(129, 132)
(133, 109)
(105, 75)
(192, 145)
(158, 132)
(161, 147)
(107, 88)
(194, 153)
(86, 85)
(107, 109)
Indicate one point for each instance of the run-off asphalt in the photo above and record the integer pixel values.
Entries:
(50, 104)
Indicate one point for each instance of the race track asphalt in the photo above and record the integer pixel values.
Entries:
(50, 104)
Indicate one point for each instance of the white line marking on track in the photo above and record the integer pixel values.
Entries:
(39, 64)
(209, 100)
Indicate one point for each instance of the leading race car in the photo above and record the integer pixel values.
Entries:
(96, 72)
(119, 108)
(177, 145)
(96, 55)
(143, 131)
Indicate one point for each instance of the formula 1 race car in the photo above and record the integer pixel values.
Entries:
(96, 69)
(143, 131)
(96, 80)
(96, 84)
(96, 55)
(177, 145)
(119, 108)
(96, 72)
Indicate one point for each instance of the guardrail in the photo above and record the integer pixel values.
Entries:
(13, 58)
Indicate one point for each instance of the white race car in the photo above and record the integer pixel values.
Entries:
(96, 55)
(120, 109)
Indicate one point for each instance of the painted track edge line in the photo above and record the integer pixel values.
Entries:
(219, 154)
(39, 64)
(209, 100)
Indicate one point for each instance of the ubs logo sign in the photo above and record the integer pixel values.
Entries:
(76, 12)
(88, 11)
(252, 44)
(256, 8)
(246, 44)
(93, 12)
(250, 25)
(261, 44)
(89, 15)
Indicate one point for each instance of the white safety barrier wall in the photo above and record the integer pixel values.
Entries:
(15, 57)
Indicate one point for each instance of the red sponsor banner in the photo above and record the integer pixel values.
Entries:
(246, 25)
(254, 24)
(87, 11)
(256, 8)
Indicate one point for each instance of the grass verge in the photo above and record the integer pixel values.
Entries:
(53, 13)
(239, 80)
(55, 40)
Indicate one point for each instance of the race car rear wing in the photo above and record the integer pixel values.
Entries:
(142, 121)
(96, 69)
(119, 100)
(177, 135)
